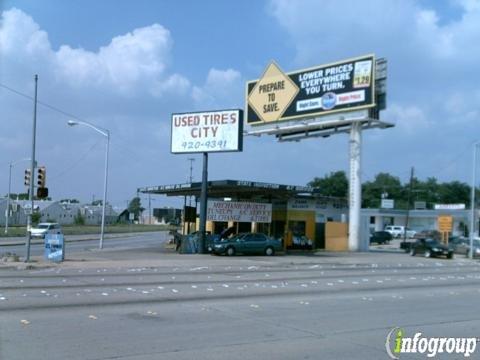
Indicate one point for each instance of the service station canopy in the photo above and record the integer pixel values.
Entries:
(236, 189)
(341, 86)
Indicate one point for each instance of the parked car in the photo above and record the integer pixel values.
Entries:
(247, 243)
(45, 228)
(428, 234)
(380, 237)
(431, 248)
(398, 231)
(462, 246)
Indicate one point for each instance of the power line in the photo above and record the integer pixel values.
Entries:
(51, 107)
(79, 160)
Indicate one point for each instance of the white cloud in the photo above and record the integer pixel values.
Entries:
(127, 86)
(223, 88)
(409, 119)
(136, 61)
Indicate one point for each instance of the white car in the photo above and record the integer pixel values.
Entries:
(45, 228)
(398, 231)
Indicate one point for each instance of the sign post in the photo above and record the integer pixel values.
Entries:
(445, 226)
(205, 132)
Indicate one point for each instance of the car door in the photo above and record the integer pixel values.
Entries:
(259, 241)
(247, 244)
(421, 246)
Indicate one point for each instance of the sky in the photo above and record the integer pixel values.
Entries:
(128, 65)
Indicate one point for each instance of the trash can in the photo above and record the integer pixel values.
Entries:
(54, 247)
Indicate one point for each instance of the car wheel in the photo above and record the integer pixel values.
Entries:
(413, 252)
(428, 254)
(230, 251)
(269, 251)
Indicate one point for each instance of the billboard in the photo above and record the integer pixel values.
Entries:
(341, 86)
(208, 131)
(239, 211)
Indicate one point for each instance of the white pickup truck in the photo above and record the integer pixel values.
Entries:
(397, 231)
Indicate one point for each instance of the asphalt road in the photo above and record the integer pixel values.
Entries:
(79, 244)
(204, 307)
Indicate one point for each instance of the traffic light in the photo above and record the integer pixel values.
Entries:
(27, 177)
(42, 192)
(41, 177)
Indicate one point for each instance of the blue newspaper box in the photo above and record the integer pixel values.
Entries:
(54, 247)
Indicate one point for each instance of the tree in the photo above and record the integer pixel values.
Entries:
(454, 192)
(97, 202)
(21, 196)
(36, 216)
(79, 219)
(334, 184)
(384, 185)
(135, 207)
(71, 201)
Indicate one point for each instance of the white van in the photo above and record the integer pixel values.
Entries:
(45, 228)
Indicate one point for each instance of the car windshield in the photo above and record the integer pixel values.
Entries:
(42, 226)
(432, 242)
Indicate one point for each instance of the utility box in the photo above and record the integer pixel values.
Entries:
(54, 247)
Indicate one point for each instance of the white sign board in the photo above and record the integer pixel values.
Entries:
(239, 211)
(449, 206)
(212, 131)
(388, 204)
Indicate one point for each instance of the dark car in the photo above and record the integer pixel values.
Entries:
(247, 243)
(431, 248)
(380, 237)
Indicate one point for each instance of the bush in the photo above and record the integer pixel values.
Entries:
(79, 219)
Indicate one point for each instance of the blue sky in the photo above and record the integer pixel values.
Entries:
(127, 65)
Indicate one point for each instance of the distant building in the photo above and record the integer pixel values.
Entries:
(54, 211)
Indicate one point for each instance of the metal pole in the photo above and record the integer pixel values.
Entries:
(32, 172)
(472, 199)
(102, 231)
(203, 203)
(149, 210)
(355, 185)
(7, 213)
(408, 205)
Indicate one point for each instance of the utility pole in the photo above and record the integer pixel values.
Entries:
(149, 210)
(471, 234)
(408, 204)
(32, 172)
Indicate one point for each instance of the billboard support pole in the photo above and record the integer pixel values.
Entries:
(203, 204)
(355, 187)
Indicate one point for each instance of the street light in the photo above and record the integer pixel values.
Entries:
(7, 213)
(472, 198)
(105, 133)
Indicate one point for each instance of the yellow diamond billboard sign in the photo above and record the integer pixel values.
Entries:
(272, 94)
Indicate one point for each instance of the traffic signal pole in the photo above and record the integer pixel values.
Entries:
(32, 173)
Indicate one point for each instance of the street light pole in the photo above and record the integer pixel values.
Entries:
(472, 198)
(105, 133)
